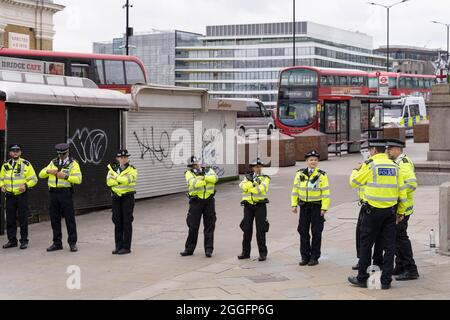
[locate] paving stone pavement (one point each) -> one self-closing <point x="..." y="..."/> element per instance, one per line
<point x="155" y="270"/>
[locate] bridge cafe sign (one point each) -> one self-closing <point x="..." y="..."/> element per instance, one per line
<point x="22" y="65"/>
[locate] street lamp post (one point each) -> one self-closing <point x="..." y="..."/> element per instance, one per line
<point x="128" y="32"/>
<point x="294" y="31"/>
<point x="388" y="9"/>
<point x="447" y="25"/>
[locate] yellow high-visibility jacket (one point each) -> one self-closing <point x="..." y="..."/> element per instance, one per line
<point x="314" y="188"/>
<point x="255" y="192"/>
<point x="21" y="174"/>
<point x="124" y="182"/>
<point x="407" y="167"/>
<point x="200" y="186"/>
<point x="383" y="183"/>
<point x="71" y="169"/>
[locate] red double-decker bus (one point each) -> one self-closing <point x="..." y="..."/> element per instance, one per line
<point x="107" y="71"/>
<point x="403" y="84"/>
<point x="318" y="98"/>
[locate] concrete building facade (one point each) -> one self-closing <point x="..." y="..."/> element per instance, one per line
<point x="413" y="60"/>
<point x="27" y="24"/>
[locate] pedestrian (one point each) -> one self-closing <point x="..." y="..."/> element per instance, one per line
<point x="63" y="173"/>
<point x="17" y="177"/>
<point x="311" y="192"/>
<point x="201" y="192"/>
<point x="122" y="178"/>
<point x="405" y="266"/>
<point x="385" y="195"/>
<point x="255" y="187"/>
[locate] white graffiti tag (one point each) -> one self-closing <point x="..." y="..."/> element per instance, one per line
<point x="90" y="145"/>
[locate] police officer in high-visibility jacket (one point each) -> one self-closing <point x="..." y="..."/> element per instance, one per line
<point x="311" y="192"/>
<point x="386" y="197"/>
<point x="122" y="178"/>
<point x="255" y="187"/>
<point x="405" y="266"/>
<point x="17" y="177"/>
<point x="201" y="191"/>
<point x="378" y="248"/>
<point x="63" y="173"/>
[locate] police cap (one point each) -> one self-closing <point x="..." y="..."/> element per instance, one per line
<point x="15" y="147"/>
<point x="62" y="148"/>
<point x="395" y="143"/>
<point x="256" y="162"/>
<point x="312" y="153"/>
<point x="193" y="161"/>
<point x="377" y="143"/>
<point x="123" y="153"/>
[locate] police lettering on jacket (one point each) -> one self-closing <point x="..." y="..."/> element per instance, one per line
<point x="12" y="178"/>
<point x="383" y="183"/>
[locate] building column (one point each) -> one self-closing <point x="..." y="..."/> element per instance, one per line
<point x="439" y="111"/>
<point x="2" y="34"/>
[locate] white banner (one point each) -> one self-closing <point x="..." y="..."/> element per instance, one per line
<point x="22" y="65"/>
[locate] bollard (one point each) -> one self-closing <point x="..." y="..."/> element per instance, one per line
<point x="444" y="219"/>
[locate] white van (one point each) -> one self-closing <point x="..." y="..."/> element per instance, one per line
<point x="406" y="112"/>
<point x="255" y="118"/>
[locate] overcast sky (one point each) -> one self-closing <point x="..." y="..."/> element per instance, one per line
<point x="86" y="21"/>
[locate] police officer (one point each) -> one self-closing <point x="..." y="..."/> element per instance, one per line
<point x="311" y="192"/>
<point x="255" y="187"/>
<point x="385" y="195"/>
<point x="62" y="174"/>
<point x="378" y="247"/>
<point x="201" y="191"/>
<point x="405" y="266"/>
<point x="121" y="178"/>
<point x="17" y="176"/>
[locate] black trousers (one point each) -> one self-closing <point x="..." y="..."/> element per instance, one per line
<point x="122" y="217"/>
<point x="61" y="205"/>
<point x="378" y="248"/>
<point x="17" y="206"/>
<point x="257" y="213"/>
<point x="199" y="208"/>
<point x="310" y="220"/>
<point x="404" y="253"/>
<point x="377" y="223"/>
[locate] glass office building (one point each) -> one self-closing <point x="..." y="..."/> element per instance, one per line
<point x="156" y="49"/>
<point x="244" y="61"/>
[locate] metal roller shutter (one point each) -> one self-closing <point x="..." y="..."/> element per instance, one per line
<point x="38" y="129"/>
<point x="149" y="133"/>
<point x="94" y="140"/>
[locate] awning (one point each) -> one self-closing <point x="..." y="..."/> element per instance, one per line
<point x="170" y="97"/>
<point x="26" y="93"/>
